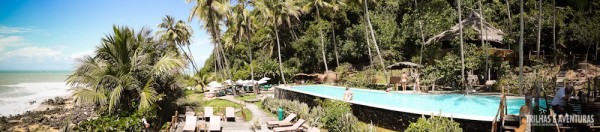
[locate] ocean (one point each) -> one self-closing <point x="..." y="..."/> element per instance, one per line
<point x="18" y="88"/>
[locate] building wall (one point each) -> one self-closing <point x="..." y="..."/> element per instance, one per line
<point x="389" y="119"/>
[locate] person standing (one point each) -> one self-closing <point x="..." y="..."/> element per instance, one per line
<point x="348" y="95"/>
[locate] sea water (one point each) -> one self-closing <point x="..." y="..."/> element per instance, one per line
<point x="19" y="88"/>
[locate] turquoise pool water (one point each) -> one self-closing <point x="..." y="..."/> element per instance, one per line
<point x="476" y="107"/>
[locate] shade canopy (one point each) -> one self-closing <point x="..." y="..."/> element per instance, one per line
<point x="214" y="84"/>
<point x="239" y="82"/>
<point x="401" y="65"/>
<point x="228" y="82"/>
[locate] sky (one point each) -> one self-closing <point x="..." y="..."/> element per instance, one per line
<point x="52" y="34"/>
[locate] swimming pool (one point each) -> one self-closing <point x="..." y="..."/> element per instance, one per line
<point x="474" y="107"/>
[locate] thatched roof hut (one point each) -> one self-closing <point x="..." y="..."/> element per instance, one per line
<point x="489" y="33"/>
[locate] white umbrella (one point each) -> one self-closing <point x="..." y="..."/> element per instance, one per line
<point x="215" y="84"/>
<point x="265" y="79"/>
<point x="261" y="82"/>
<point x="249" y="82"/>
<point x="239" y="82"/>
<point x="228" y="82"/>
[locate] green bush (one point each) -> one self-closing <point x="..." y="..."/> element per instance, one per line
<point x="339" y="117"/>
<point x="434" y="124"/>
<point x="115" y="123"/>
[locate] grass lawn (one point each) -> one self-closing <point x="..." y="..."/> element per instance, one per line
<point x="246" y="97"/>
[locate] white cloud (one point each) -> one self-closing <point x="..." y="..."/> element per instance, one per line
<point x="9" y="30"/>
<point x="33" y="52"/>
<point x="9" y="41"/>
<point x="82" y="54"/>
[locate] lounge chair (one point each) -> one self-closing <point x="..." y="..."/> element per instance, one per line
<point x="215" y="124"/>
<point x="285" y="122"/>
<point x="190" y="123"/>
<point x="208" y="112"/>
<point x="229" y="113"/>
<point x="313" y="129"/>
<point x="296" y="127"/>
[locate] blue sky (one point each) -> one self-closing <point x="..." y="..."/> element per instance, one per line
<point x="51" y="34"/>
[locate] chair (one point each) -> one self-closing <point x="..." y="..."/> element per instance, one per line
<point x="215" y="124"/>
<point x="284" y="122"/>
<point x="313" y="129"/>
<point x="208" y="112"/>
<point x="229" y="113"/>
<point x="190" y="123"/>
<point x="296" y="127"/>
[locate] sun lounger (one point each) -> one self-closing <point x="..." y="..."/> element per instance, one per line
<point x="229" y="113"/>
<point x="313" y="129"/>
<point x="296" y="127"/>
<point x="208" y="112"/>
<point x="215" y="124"/>
<point x="190" y="123"/>
<point x="285" y="122"/>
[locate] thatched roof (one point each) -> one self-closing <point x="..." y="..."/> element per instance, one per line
<point x="489" y="33"/>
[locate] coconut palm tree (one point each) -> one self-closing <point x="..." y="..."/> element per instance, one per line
<point x="462" y="51"/>
<point x="212" y="13"/>
<point x="130" y="64"/>
<point x="239" y="21"/>
<point x="277" y="14"/>
<point x="316" y="4"/>
<point x="177" y="34"/>
<point x="521" y="47"/>
<point x="365" y="4"/>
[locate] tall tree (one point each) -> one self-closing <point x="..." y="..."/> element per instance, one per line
<point x="129" y="72"/>
<point x="521" y="92"/>
<point x="365" y="5"/>
<point x="462" y="51"/>
<point x="241" y="21"/>
<point x="316" y="4"/>
<point x="212" y="13"/>
<point x="278" y="13"/>
<point x="177" y="34"/>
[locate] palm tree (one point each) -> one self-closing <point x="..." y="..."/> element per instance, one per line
<point x="177" y="34"/>
<point x="316" y="4"/>
<point x="462" y="51"/>
<point x="240" y="21"/>
<point x="368" y="20"/>
<point x="126" y="63"/>
<point x="211" y="13"/>
<point x="521" y="48"/>
<point x="278" y="13"/>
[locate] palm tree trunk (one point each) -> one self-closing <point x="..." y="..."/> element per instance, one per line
<point x="190" y="58"/>
<point x="337" y="58"/>
<point x="368" y="44"/>
<point x="522" y="91"/>
<point x="539" y="32"/>
<point x="462" y="52"/>
<point x="509" y="22"/>
<point x="554" y="31"/>
<point x="483" y="33"/>
<point x="279" y="53"/>
<point x="374" y="40"/>
<point x="322" y="43"/>
<point x="250" y="52"/>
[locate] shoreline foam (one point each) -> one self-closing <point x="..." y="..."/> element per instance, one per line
<point x="37" y="92"/>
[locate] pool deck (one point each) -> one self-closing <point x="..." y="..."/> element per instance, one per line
<point x="460" y="116"/>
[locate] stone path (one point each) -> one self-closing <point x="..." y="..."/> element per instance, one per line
<point x="258" y="114"/>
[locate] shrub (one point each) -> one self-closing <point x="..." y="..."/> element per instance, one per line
<point x="339" y="116"/>
<point x="434" y="124"/>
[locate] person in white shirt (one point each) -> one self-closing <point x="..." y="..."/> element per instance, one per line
<point x="561" y="100"/>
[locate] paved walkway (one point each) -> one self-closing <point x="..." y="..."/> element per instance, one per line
<point x="258" y="114"/>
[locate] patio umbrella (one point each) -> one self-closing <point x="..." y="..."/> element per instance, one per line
<point x="239" y="82"/>
<point x="228" y="82"/>
<point x="261" y="82"/>
<point x="265" y="79"/>
<point x="405" y="64"/>
<point x="215" y="84"/>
